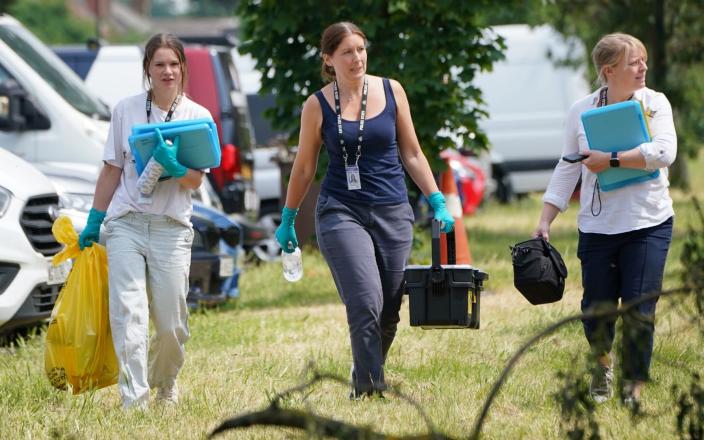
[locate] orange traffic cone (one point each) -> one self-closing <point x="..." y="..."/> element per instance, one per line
<point x="448" y="187"/>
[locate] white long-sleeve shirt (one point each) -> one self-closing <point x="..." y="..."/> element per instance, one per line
<point x="631" y="207"/>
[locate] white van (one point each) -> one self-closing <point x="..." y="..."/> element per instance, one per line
<point x="527" y="96"/>
<point x="50" y="115"/>
<point x="110" y="72"/>
<point x="269" y="142"/>
<point x="29" y="284"/>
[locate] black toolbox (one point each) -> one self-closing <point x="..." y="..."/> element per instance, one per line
<point x="444" y="296"/>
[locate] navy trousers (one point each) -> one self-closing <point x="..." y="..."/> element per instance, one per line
<point x="367" y="249"/>
<point x="624" y="266"/>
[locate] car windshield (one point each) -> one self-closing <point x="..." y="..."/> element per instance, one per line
<point x="53" y="70"/>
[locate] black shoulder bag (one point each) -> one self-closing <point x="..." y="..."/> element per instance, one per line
<point x="539" y="272"/>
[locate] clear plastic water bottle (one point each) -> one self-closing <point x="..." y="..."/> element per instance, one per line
<point x="150" y="176"/>
<point x="293" y="265"/>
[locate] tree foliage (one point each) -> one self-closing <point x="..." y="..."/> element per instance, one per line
<point x="673" y="33"/>
<point x="51" y="21"/>
<point x="433" y="48"/>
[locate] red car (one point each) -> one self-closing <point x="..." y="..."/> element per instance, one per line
<point x="470" y="178"/>
<point x="213" y="83"/>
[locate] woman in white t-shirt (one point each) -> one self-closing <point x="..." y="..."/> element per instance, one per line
<point x="148" y="236"/>
<point x="624" y="233"/>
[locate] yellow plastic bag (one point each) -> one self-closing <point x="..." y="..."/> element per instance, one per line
<point x="79" y="351"/>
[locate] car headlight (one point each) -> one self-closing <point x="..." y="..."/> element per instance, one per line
<point x="5" y="197"/>
<point x="79" y="202"/>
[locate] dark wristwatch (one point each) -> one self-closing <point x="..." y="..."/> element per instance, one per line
<point x="614" y="162"/>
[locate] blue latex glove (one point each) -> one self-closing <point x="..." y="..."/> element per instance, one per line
<point x="286" y="233"/>
<point x="165" y="154"/>
<point x="437" y="202"/>
<point x="91" y="233"/>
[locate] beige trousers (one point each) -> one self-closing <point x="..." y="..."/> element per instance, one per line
<point x="148" y="262"/>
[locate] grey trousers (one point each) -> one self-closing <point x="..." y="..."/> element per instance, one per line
<point x="367" y="249"/>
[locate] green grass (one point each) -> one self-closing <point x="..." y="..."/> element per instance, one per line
<point x="240" y="355"/>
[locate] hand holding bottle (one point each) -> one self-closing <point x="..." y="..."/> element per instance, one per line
<point x="165" y="155"/>
<point x="286" y="233"/>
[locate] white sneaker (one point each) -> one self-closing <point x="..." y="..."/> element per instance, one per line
<point x="601" y="387"/>
<point x="168" y="394"/>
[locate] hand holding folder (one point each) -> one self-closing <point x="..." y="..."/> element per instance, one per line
<point x="618" y="127"/>
<point x="199" y="147"/>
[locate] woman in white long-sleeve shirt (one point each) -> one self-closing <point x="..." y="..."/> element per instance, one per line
<point x="624" y="234"/>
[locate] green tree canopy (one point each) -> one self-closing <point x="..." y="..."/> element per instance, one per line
<point x="433" y="48"/>
<point x="51" y="21"/>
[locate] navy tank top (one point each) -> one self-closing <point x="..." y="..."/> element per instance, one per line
<point x="380" y="168"/>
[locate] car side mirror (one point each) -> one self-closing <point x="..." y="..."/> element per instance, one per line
<point x="18" y="111"/>
<point x="10" y="95"/>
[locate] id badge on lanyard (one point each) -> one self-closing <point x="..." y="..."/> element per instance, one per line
<point x="353" y="181"/>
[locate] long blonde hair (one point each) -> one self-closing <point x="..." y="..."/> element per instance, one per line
<point x="611" y="49"/>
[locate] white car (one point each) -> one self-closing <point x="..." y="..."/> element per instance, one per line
<point x="29" y="283"/>
<point x="75" y="185"/>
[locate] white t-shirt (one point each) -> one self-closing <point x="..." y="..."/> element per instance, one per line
<point x="169" y="197"/>
<point x="631" y="207"/>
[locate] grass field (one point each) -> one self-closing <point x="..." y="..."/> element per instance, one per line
<point x="242" y="354"/>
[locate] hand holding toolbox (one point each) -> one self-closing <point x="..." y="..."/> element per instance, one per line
<point x="447" y="295"/>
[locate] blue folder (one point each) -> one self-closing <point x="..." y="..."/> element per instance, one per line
<point x="146" y="128"/>
<point x="618" y="127"/>
<point x="199" y="146"/>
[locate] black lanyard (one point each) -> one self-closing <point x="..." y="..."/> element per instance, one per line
<point x="362" y="114"/>
<point x="174" y="104"/>
<point x="602" y="97"/>
<point x="596" y="191"/>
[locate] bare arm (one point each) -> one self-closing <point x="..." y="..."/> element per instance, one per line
<point x="411" y="154"/>
<point x="192" y="179"/>
<point x="547" y="216"/>
<point x="108" y="179"/>
<point x="306" y="161"/>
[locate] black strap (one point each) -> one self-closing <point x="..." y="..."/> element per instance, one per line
<point x="602" y="97"/>
<point x="362" y="115"/>
<point x="172" y="109"/>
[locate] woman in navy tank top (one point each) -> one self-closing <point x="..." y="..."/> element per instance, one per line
<point x="364" y="223"/>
